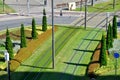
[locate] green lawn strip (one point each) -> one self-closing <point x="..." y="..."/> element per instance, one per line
<point x="64" y="55"/>
<point x="59" y="68"/>
<point x="66" y="50"/>
<point x="7" y="9"/>
<point x="103" y="7"/>
<point x="65" y="43"/>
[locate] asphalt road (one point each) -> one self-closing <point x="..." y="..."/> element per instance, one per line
<point x="64" y="20"/>
<point x="92" y="20"/>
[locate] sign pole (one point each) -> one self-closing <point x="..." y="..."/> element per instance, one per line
<point x="116" y="56"/>
<point x="8" y="63"/>
<point x="8" y="70"/>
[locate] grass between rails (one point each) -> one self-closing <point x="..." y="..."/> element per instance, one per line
<point x="103" y="7"/>
<point x="66" y="45"/>
<point x="7" y="9"/>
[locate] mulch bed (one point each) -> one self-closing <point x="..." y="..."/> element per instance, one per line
<point x="94" y="64"/>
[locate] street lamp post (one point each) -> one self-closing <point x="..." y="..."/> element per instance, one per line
<point x="107" y="17"/>
<point x="53" y="42"/>
<point x="28" y="7"/>
<point x="6" y="54"/>
<point x="3" y="5"/>
<point x="81" y="2"/>
<point x="85" y="13"/>
<point x="17" y="5"/>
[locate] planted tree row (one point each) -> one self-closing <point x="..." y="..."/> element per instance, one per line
<point x="9" y="44"/>
<point x="107" y="42"/>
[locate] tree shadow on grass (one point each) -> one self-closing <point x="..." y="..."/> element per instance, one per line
<point x="84" y="50"/>
<point x="35" y="66"/>
<point x="70" y="63"/>
<point x="92" y="39"/>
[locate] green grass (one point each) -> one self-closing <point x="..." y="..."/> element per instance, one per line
<point x="103" y="7"/>
<point x="7" y="9"/>
<point x="67" y="44"/>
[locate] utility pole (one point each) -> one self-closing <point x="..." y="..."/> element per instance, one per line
<point x="85" y="13"/>
<point x="53" y="42"/>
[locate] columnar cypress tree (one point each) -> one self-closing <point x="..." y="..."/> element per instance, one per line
<point x="111" y="36"/>
<point x="108" y="39"/>
<point x="23" y="37"/>
<point x="103" y="55"/>
<point x="9" y="45"/>
<point x="34" y="33"/>
<point x="44" y="21"/>
<point x="114" y="27"/>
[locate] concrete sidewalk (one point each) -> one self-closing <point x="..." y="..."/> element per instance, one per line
<point x="4" y="17"/>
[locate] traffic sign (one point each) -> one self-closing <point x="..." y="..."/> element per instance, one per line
<point x="116" y="55"/>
